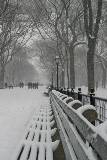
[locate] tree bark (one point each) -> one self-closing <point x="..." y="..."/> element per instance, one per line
<point x="90" y="64"/>
<point x="72" y="68"/>
<point x="67" y="68"/>
<point x="103" y="77"/>
<point x="63" y="79"/>
<point x="2" y="71"/>
<point x="90" y="70"/>
<point x="92" y="35"/>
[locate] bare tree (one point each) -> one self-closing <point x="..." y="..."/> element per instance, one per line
<point x="13" y="32"/>
<point x="91" y="24"/>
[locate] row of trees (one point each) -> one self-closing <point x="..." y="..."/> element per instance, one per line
<point x="16" y="28"/>
<point x="68" y="25"/>
<point x="62" y="27"/>
<point x="19" y="69"/>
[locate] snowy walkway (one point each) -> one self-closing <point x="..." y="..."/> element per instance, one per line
<point x="16" y="110"/>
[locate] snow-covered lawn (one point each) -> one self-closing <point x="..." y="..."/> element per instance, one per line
<point x="16" y="110"/>
<point x="100" y="92"/>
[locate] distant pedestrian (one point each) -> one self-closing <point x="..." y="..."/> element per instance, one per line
<point x="6" y="85"/>
<point x="37" y="85"/>
<point x="20" y="84"/>
<point x="28" y="85"/>
<point x="33" y="85"/>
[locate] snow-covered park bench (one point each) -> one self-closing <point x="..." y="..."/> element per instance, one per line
<point x="37" y="142"/>
<point x="80" y="138"/>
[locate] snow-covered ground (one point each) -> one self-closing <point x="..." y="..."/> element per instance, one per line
<point x="16" y="109"/>
<point x="100" y="92"/>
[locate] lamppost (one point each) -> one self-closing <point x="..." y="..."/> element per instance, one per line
<point x="57" y="65"/>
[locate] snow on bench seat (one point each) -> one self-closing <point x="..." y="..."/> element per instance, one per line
<point x="37" y="142"/>
<point x="78" y="134"/>
<point x="68" y="100"/>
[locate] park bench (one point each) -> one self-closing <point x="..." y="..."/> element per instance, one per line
<point x="81" y="139"/>
<point x="37" y="141"/>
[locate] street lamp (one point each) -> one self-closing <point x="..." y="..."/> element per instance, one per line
<point x="57" y="64"/>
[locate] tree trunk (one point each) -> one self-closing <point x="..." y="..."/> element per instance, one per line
<point x="67" y="67"/>
<point x="72" y="68"/>
<point x="104" y="78"/>
<point x="67" y="74"/>
<point x="91" y="29"/>
<point x="63" y="79"/>
<point x="2" y="71"/>
<point x="90" y="64"/>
